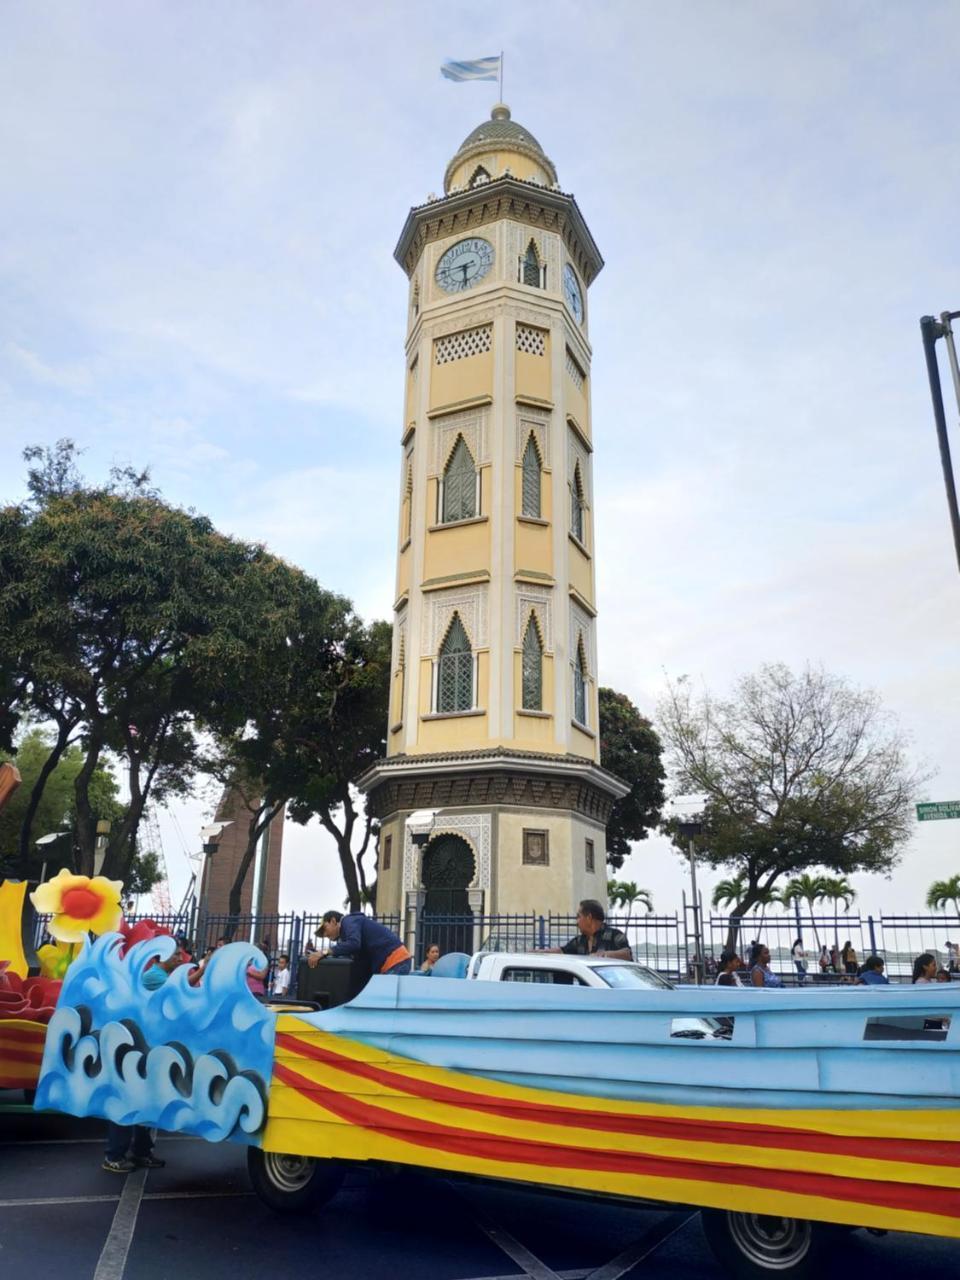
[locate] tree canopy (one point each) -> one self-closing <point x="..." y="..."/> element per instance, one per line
<point x="797" y="771"/>
<point x="630" y="748"/>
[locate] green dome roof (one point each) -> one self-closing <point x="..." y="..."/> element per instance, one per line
<point x="501" y="131"/>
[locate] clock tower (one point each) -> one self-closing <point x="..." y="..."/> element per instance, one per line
<point x="493" y="707"/>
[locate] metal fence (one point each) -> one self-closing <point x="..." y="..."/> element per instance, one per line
<point x="663" y="942"/>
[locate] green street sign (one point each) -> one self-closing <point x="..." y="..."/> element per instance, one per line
<point x="942" y="809"/>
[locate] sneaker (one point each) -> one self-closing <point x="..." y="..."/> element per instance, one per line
<point x="118" y="1166"/>
<point x="149" y="1162"/>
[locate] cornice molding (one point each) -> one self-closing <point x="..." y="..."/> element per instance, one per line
<point x="507" y="197"/>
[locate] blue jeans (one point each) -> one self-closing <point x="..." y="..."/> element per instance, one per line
<point x="120" y="1138"/>
<point x="405" y="966"/>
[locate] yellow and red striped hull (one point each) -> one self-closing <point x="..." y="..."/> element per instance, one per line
<point x="21" y="1052"/>
<point x="333" y="1096"/>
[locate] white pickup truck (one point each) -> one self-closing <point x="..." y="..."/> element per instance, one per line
<point x="577" y="971"/>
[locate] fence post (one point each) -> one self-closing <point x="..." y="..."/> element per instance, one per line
<point x="541" y="933"/>
<point x="873" y="937"/>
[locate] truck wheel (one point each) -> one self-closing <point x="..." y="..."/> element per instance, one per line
<point x="293" y="1184"/>
<point x="752" y="1246"/>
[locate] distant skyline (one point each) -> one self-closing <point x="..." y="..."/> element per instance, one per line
<point x="200" y="205"/>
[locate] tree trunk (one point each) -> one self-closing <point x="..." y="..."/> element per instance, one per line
<point x="36" y="795"/>
<point x="86" y="819"/>
<point x="258" y="823"/>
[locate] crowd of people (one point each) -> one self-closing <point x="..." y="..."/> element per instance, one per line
<point x="732" y="971"/>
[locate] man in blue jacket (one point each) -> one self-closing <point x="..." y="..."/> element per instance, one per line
<point x="361" y="937"/>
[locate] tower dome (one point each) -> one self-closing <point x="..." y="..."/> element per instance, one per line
<point x="495" y="148"/>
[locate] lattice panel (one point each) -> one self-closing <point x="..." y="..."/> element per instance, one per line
<point x="581" y="626"/>
<point x="577" y="453"/>
<point x="528" y="421"/>
<point x="577" y="376"/>
<point x="462" y="345"/>
<point x="471" y="605"/>
<point x="532" y="341"/>
<point x="444" y="431"/>
<point x="475" y="828"/>
<point x="540" y="601"/>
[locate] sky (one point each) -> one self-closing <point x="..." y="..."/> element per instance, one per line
<point x="198" y="208"/>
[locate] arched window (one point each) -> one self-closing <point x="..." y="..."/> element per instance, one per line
<point x="532" y="664"/>
<point x="531" y="480"/>
<point x="580" y="685"/>
<point x="576" y="504"/>
<point x="455" y="675"/>
<point x="479" y="177"/>
<point x="531" y="267"/>
<point x="459" y="485"/>
<point x="415" y="301"/>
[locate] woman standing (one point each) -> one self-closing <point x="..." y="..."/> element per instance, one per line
<point x="848" y="957"/>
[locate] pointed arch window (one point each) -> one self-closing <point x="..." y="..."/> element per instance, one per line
<point x="580" y="685"/>
<point x="459" y="498"/>
<point x="415" y="301"/>
<point x="532" y="668"/>
<point x="402" y="673"/>
<point x="577" y="505"/>
<point x="455" y="670"/>
<point x="531" y="480"/>
<point x="532" y="271"/>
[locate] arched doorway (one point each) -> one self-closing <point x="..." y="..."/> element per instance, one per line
<point x="447" y="872"/>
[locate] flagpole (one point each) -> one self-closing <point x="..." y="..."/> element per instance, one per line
<point x="501" y="75"/>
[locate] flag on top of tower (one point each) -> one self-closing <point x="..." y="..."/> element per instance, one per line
<point x="479" y="69"/>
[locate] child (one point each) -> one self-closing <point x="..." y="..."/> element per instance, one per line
<point x="280" y="983"/>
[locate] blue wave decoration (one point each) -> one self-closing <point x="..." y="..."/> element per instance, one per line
<point x="192" y="1059"/>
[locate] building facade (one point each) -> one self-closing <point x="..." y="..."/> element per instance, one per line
<point x="493" y="710"/>
<point x="261" y="887"/>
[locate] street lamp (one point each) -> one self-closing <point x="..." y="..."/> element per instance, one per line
<point x="932" y="331"/>
<point x="210" y="843"/>
<point x="689" y="813"/>
<point x="42" y="843"/>
<point x="100" y="848"/>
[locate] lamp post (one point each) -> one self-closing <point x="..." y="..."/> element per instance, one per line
<point x="689" y="810"/>
<point x="932" y="330"/>
<point x="42" y="843"/>
<point x="100" y="848"/>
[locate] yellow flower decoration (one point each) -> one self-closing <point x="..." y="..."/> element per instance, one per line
<point x="79" y="905"/>
<point x="55" y="959"/>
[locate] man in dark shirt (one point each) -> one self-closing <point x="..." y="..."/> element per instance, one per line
<point x="596" y="937"/>
<point x="364" y="938"/>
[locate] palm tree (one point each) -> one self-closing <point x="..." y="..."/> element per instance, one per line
<point x="624" y="893"/>
<point x="730" y="893"/>
<point x="809" y="889"/>
<point x="942" y="892"/>
<point x="839" y="890"/>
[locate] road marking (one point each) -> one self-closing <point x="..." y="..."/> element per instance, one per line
<point x="27" y="1204"/>
<point x="515" y="1251"/>
<point x="113" y="1259"/>
<point x="648" y="1243"/>
<point x="150" y="1195"/>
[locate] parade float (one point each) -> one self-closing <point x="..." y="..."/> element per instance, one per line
<point x="790" y="1115"/>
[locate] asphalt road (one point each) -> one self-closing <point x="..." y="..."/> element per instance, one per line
<point x="62" y="1216"/>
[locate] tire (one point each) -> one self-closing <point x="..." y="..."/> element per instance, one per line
<point x="752" y="1246"/>
<point x="293" y="1184"/>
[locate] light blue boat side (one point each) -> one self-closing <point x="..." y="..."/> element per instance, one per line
<point x="788" y="1050"/>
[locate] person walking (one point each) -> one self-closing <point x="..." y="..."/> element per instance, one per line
<point x="800" y="960"/>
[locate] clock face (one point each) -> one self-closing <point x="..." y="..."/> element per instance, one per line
<point x="464" y="265"/>
<point x="571" y="291"/>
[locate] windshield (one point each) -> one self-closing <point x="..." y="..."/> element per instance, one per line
<point x="631" y="975"/>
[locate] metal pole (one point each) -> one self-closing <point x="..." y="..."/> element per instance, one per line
<point x="697" y="946"/>
<point x="945" y="319"/>
<point x="930" y="330"/>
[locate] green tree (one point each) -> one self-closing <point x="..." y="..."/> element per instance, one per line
<point x="630" y="748"/>
<point x="625" y="893"/>
<point x="134" y="624"/>
<point x="943" y="893"/>
<point x="810" y="889"/>
<point x="798" y="771"/>
<point x="837" y="890"/>
<point x="324" y="726"/>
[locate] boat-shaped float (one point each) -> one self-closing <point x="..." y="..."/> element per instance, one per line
<point x="832" y="1106"/>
